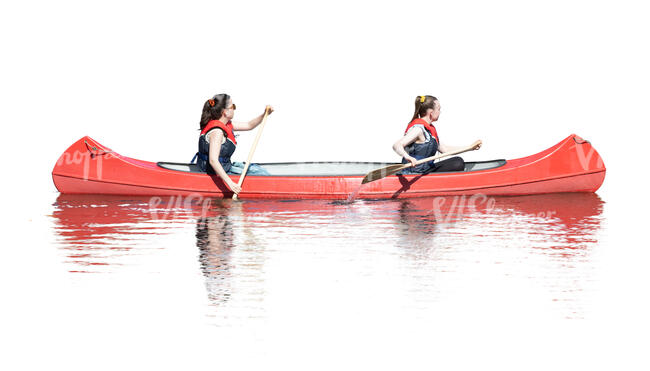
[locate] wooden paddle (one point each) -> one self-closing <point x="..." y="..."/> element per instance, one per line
<point x="250" y="154"/>
<point x="392" y="169"/>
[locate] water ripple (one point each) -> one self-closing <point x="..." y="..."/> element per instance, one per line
<point x="420" y="251"/>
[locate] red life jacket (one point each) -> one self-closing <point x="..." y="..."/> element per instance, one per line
<point x="430" y="128"/>
<point x="227" y="128"/>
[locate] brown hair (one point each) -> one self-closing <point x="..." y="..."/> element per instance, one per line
<point x="213" y="108"/>
<point x="422" y="104"/>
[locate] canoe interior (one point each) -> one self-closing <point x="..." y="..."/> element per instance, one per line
<point x="303" y="169"/>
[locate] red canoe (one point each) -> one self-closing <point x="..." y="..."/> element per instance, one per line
<point x="572" y="165"/>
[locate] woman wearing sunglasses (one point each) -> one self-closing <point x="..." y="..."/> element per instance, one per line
<point x="217" y="146"/>
<point x="421" y="140"/>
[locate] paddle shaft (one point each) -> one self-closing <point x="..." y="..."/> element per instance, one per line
<point x="392" y="169"/>
<point x="250" y="154"/>
<point x="433" y="158"/>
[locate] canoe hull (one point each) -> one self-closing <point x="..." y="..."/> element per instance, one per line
<point x="572" y="165"/>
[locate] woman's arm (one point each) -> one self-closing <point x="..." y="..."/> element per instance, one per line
<point x="216" y="137"/>
<point x="252" y="124"/>
<point x="411" y="136"/>
<point x="446" y="148"/>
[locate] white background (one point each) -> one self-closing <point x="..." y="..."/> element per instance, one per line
<point x="342" y="77"/>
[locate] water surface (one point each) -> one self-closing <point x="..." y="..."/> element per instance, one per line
<point x="261" y="261"/>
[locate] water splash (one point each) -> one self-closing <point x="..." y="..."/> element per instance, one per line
<point x="354" y="194"/>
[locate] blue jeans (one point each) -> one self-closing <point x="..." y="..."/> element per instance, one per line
<point x="254" y="169"/>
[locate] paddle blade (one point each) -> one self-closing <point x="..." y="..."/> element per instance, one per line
<point x="382" y="173"/>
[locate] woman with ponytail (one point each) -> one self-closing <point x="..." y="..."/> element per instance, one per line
<point x="217" y="146"/>
<point x="421" y="140"/>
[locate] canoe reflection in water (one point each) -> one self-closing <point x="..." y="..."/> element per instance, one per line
<point x="543" y="239"/>
<point x="563" y="212"/>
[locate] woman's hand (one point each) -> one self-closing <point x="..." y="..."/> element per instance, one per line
<point x="234" y="187"/>
<point x="477" y="145"/>
<point x="411" y="159"/>
<point x="269" y="109"/>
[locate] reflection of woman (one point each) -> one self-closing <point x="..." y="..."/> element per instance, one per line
<point x="415" y="218"/>
<point x="217" y="146"/>
<point x="214" y="238"/>
<point x="421" y="140"/>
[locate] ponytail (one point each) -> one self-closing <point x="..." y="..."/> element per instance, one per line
<point x="213" y="108"/>
<point x="422" y="104"/>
